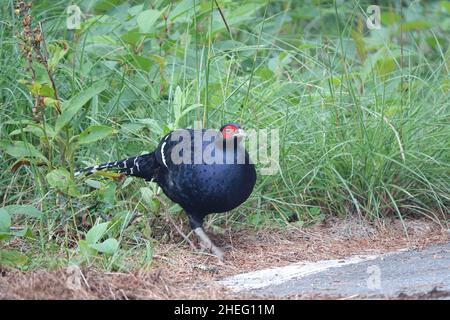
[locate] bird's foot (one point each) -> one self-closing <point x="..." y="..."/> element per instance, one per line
<point x="206" y="242"/>
<point x="218" y="253"/>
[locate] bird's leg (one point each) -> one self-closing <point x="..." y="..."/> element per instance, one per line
<point x="206" y="241"/>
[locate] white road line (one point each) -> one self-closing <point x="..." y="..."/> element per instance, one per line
<point x="274" y="276"/>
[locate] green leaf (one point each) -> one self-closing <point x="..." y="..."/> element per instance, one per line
<point x="57" y="52"/>
<point x="175" y="208"/>
<point x="107" y="195"/>
<point x="13" y="258"/>
<point x="109" y="246"/>
<point x="46" y="91"/>
<point x="71" y="107"/>
<point x="26" y="210"/>
<point x="146" y="19"/>
<point x="5" y="220"/>
<point x="61" y="180"/>
<point x="85" y="250"/>
<point x="96" y="233"/>
<point x="132" y="37"/>
<point x="27" y="233"/>
<point x="35" y="129"/>
<point x="445" y="5"/>
<point x="146" y="194"/>
<point x="181" y="8"/>
<point x="95" y="133"/>
<point x="94" y="183"/>
<point x="22" y="149"/>
<point x="50" y="102"/>
<point x="137" y="61"/>
<point x="135" y="9"/>
<point x="43" y="90"/>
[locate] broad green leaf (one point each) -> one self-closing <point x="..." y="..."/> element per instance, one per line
<point x="94" y="183"/>
<point x="445" y="4"/>
<point x="181" y="8"/>
<point x="95" y="133"/>
<point x="137" y="61"/>
<point x="132" y="37"/>
<point x="19" y="122"/>
<point x="175" y="208"/>
<point x="134" y="10"/>
<point x="5" y="220"/>
<point x="46" y="91"/>
<point x="35" y="129"/>
<point x="58" y="178"/>
<point x="43" y="90"/>
<point x="13" y="258"/>
<point x="26" y="210"/>
<point x="61" y="180"/>
<point x="146" y="19"/>
<point x="57" y="52"/>
<point x="147" y="194"/>
<point x="71" y="107"/>
<point x="107" y="194"/>
<point x="50" y="102"/>
<point x="27" y="232"/>
<point x="96" y="233"/>
<point x="109" y="246"/>
<point x="22" y="149"/>
<point x="102" y="6"/>
<point x="132" y="127"/>
<point x="85" y="250"/>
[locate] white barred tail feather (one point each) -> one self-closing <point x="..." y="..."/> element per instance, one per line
<point x="130" y="166"/>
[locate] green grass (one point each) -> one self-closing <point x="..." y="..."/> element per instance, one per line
<point x="363" y="114"/>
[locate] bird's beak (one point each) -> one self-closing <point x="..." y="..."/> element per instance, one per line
<point x="240" y="133"/>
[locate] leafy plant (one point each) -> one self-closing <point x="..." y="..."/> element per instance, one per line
<point x="11" y="257"/>
<point x="92" y="245"/>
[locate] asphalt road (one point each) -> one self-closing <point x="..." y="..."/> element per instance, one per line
<point x="409" y="274"/>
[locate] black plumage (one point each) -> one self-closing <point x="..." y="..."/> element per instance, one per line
<point x="215" y="174"/>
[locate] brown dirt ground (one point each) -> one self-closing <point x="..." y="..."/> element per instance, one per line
<point x="180" y="273"/>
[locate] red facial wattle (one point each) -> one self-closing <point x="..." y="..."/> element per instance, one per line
<point x="229" y="131"/>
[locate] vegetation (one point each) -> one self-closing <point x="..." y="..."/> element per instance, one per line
<point x="363" y="114"/>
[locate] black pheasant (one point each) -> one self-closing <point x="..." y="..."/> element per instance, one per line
<point x="204" y="171"/>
